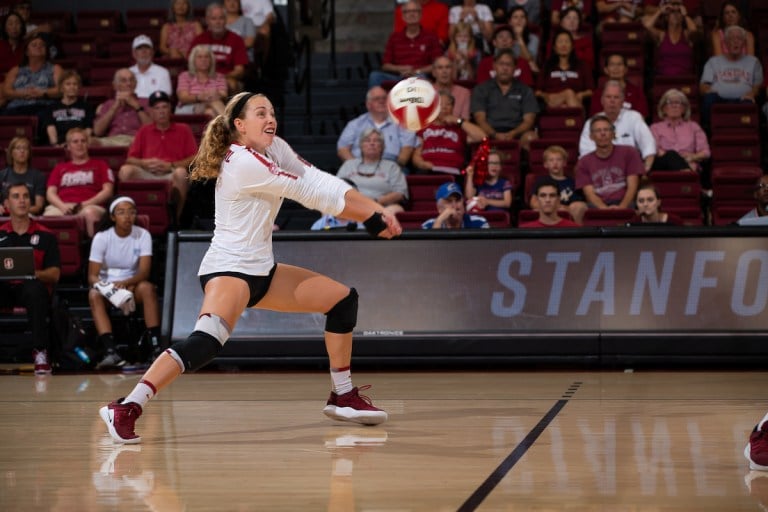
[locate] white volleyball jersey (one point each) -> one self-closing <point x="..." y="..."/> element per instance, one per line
<point x="249" y="191"/>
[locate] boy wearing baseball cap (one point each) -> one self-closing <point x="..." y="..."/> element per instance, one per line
<point x="451" y="212"/>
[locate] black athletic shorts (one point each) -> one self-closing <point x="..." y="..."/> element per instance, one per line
<point x="258" y="285"/>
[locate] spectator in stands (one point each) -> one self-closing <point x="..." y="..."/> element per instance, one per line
<point x="121" y="255"/>
<point x="503" y="107"/>
<point x="674" y="38"/>
<point x="565" y="81"/>
<point x="570" y="199"/>
<point x="495" y="193"/>
<point x="526" y="44"/>
<point x="583" y="43"/>
<point x="545" y="190"/>
<point x="119" y="118"/>
<point x="24" y="9"/>
<point x="381" y="180"/>
<point x="410" y="51"/>
<point x="680" y="142"/>
<point x="161" y="150"/>
<point x="69" y="112"/>
<point x="730" y="16"/>
<point x="442" y="146"/>
<point x="262" y="13"/>
<point x="502" y="8"/>
<point x="759" y="214"/>
<point x="31" y="86"/>
<point x="177" y="34"/>
<point x="609" y="175"/>
<point x="434" y="18"/>
<point x="80" y="186"/>
<point x="732" y="77"/>
<point x="478" y="16"/>
<point x="12" y="42"/>
<point x="443" y="73"/>
<point x="201" y="89"/>
<point x="451" y="213"/>
<point x="398" y="142"/>
<point x="463" y="52"/>
<point x="150" y="77"/>
<point x="616" y="69"/>
<point x="19" y="170"/>
<point x="621" y="11"/>
<point x="559" y="8"/>
<point x="648" y="204"/>
<point x="630" y="128"/>
<point x="228" y="47"/>
<point x="240" y="25"/>
<point x="34" y="295"/>
<point x="503" y="38"/>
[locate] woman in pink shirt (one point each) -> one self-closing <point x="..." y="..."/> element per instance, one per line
<point x="680" y="143"/>
<point x="201" y="89"/>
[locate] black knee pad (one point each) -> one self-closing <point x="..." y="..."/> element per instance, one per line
<point x="342" y="317"/>
<point x="197" y="350"/>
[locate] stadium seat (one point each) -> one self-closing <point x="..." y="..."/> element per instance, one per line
<point x="562" y="123"/>
<point x="107" y="20"/>
<point x="677" y="188"/>
<point x="153" y="198"/>
<point x="527" y="215"/>
<point x="608" y="217"/>
<point x="735" y="150"/>
<point x="84" y="46"/>
<point x="17" y="126"/>
<point x="196" y="122"/>
<point x="421" y="191"/>
<point x="734" y="185"/>
<point x="726" y="215"/>
<point x="70" y="233"/>
<point x="414" y="219"/>
<point x="115" y="156"/>
<point x="45" y="158"/>
<point x="137" y="20"/>
<point x="496" y="218"/>
<point x="692" y="216"/>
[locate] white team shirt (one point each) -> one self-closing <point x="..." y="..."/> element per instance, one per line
<point x="257" y="10"/>
<point x="119" y="256"/>
<point x="155" y="78"/>
<point x="249" y="191"/>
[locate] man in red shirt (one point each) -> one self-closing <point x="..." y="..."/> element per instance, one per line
<point x="161" y="150"/>
<point x="81" y="186"/>
<point x="434" y="17"/>
<point x="548" y="196"/>
<point x="228" y="47"/>
<point x="410" y="51"/>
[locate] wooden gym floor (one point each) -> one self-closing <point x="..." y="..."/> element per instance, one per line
<point x="495" y="441"/>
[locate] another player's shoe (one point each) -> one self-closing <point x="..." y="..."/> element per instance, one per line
<point x="354" y="407"/>
<point x="756" y="450"/>
<point x="120" y="418"/>
<point x="111" y="360"/>
<point x="42" y="365"/>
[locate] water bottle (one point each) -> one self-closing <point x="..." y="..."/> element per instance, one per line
<point x="83" y="355"/>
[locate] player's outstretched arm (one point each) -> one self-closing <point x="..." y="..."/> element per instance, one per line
<point x="377" y="221"/>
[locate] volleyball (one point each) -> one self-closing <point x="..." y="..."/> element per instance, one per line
<point x="413" y="103"/>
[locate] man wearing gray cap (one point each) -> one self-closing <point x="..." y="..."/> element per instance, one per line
<point x="150" y="77"/>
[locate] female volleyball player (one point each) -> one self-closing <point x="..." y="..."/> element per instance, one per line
<point x="254" y="171"/>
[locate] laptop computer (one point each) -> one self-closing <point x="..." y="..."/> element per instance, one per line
<point x="17" y="263"/>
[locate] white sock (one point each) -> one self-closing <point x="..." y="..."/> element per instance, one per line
<point x="142" y="393"/>
<point x="760" y="425"/>
<point x="342" y="380"/>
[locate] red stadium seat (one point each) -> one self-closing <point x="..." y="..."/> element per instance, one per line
<point x="115" y="156"/>
<point x="608" y="217"/>
<point x="677" y="188"/>
<point x="17" y="126"/>
<point x="734" y="185"/>
<point x="196" y="122"/>
<point x="414" y="219"/>
<point x="106" y="20"/>
<point x="70" y="233"/>
<point x="421" y="191"/>
<point x="45" y="158"/>
<point x="562" y="123"/>
<point x="153" y="198"/>
<point x="527" y="215"/>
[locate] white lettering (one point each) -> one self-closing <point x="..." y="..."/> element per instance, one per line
<point x="561" y="261"/>
<point x="604" y="270"/>
<point x="698" y="281"/>
<point x="658" y="288"/>
<point x="516" y="287"/>
<point x="742" y="279"/>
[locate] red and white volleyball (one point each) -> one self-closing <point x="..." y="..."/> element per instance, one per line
<point x="413" y="103"/>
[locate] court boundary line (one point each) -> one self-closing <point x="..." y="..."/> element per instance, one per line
<point x="490" y="483"/>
